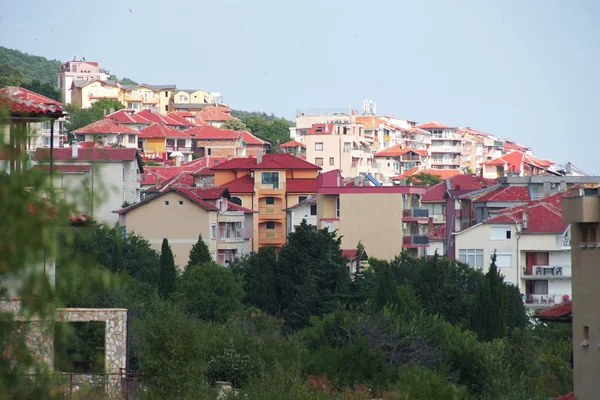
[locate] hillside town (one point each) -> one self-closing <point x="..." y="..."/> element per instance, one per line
<point x="170" y="165"/>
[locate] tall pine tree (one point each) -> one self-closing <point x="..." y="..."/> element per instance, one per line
<point x="488" y="310"/>
<point x="167" y="273"/>
<point x="199" y="253"/>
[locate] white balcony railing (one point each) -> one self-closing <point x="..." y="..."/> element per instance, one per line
<point x="547" y="272"/>
<point x="271" y="186"/>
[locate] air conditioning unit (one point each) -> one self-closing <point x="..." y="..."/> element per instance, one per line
<point x="437" y="219"/>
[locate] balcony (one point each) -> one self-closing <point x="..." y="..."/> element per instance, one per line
<point x="271" y="237"/>
<point x="543" y="300"/>
<point x="415" y="241"/>
<point x="270" y="212"/>
<point x="545" y="272"/>
<point x="445" y="149"/>
<point x="184" y="149"/>
<point x="415" y="214"/>
<point x="274" y="187"/>
<point x="445" y="161"/>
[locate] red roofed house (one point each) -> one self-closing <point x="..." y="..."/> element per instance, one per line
<point x="183" y="213"/>
<point x="269" y="185"/>
<point x="382" y="218"/>
<point x="215" y="116"/>
<point x="517" y="163"/>
<point x="293" y="147"/>
<point x="253" y="145"/>
<point x="532" y="247"/>
<point x="446" y="145"/>
<point x="80" y="70"/>
<point x="398" y="159"/>
<point x="409" y="175"/>
<point x="162" y="140"/>
<point x="130" y="119"/>
<point x="211" y="141"/>
<point x="96" y="180"/>
<point x="107" y="132"/>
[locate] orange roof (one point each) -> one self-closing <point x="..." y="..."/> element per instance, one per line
<point x="369" y="121"/>
<point x="159" y="130"/>
<point x="512" y="160"/>
<point x="434" y="125"/>
<point x="105" y="126"/>
<point x="250" y="139"/>
<point x="215" y="114"/>
<point x="292" y="143"/>
<point x="398" y="150"/>
<point x="320" y="129"/>
<point x="442" y="173"/>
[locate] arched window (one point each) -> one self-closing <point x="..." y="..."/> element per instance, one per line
<point x="236" y="200"/>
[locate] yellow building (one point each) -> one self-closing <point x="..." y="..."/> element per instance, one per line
<point x="190" y="100"/>
<point x="268" y="185"/>
<point x="160" y="139"/>
<point x="86" y="93"/>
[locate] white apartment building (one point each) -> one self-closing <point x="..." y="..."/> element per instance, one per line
<point x="446" y="145"/>
<point x="77" y="70"/>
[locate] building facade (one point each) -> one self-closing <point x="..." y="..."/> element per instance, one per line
<point x="77" y="70"/>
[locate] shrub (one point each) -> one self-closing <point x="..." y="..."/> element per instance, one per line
<point x="233" y="367"/>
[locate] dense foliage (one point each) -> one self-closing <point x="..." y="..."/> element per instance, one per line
<point x="267" y="127"/>
<point x="31" y="67"/>
<point x="423" y="179"/>
<point x="79" y="117"/>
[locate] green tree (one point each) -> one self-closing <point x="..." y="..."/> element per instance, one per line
<point x="234" y="124"/>
<point x="118" y="261"/>
<point x="168" y="271"/>
<point x="32" y="67"/>
<point x="260" y="282"/>
<point x="209" y="292"/>
<point x="488" y="310"/>
<point x="199" y="253"/>
<point x="80" y="117"/>
<point x="423" y="179"/>
<point x="10" y="76"/>
<point x="43" y="88"/>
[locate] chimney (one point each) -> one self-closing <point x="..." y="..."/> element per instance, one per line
<point x="74" y="150"/>
<point x="339" y="179"/>
<point x="177" y="161"/>
<point x="259" y="156"/>
<point x="456" y="187"/>
<point x="525" y="220"/>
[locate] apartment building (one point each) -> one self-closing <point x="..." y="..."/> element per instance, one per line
<point x="96" y="180"/>
<point x="398" y="159"/>
<point x="183" y="213"/>
<point x="385" y="219"/>
<point x="191" y="100"/>
<point x="166" y="142"/>
<point x="147" y="97"/>
<point x="484" y="147"/>
<point x="581" y="209"/>
<point x="106" y="132"/>
<point x="517" y="163"/>
<point x="446" y="145"/>
<point x="84" y="93"/>
<point x="532" y="247"/>
<point x="78" y="70"/>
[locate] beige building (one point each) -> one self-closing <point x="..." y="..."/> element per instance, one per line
<point x="78" y="70"/>
<point x="380" y="217"/>
<point x="85" y="93"/>
<point x="181" y="214"/>
<point x="446" y="145"/>
<point x="147" y="97"/>
<point x="581" y="208"/>
<point x="190" y="100"/>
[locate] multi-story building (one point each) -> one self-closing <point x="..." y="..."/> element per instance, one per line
<point x="446" y="145"/>
<point x="106" y="132"/>
<point x="532" y="247"/>
<point x="85" y="93"/>
<point x="305" y="210"/>
<point x="147" y="97"/>
<point x="78" y="70"/>
<point x="215" y="115"/>
<point x="162" y="140"/>
<point x="96" y="180"/>
<point x="581" y="209"/>
<point x="517" y="163"/>
<point x="211" y="141"/>
<point x="192" y="100"/>
<point x="268" y="184"/>
<point x="398" y="159"/>
<point x="184" y="213"/>
<point x="385" y="219"/>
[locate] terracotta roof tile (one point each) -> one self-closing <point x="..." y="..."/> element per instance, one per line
<point x="105" y="126"/>
<point x="156" y="117"/>
<point x="292" y="144"/>
<point x="301" y="186"/>
<point x="434" y="125"/>
<point x="215" y="114"/>
<point x="128" y="117"/>
<point x="19" y="100"/>
<point x="399" y="150"/>
<point x="159" y="130"/>
<point x="209" y="132"/>
<point x="513" y="161"/>
<point x="98" y="154"/>
<point x="250" y="139"/>
<point x="244" y="184"/>
<point x="321" y="129"/>
<point x="465" y="182"/>
<point x="270" y="161"/>
<point x="505" y="194"/>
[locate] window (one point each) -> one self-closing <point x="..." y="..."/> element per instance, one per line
<point x="181" y="98"/>
<point x="331" y="161"/>
<point x="180" y="202"/>
<point x="131" y="139"/>
<point x="503" y="260"/>
<point x="347" y="147"/>
<point x="166" y="107"/>
<point x="313" y="209"/>
<point x="329" y="226"/>
<point x="166" y="95"/>
<point x="301" y="199"/>
<point x="319" y="146"/>
<point x="236" y="200"/>
<point x="472" y="257"/>
<point x="588" y="235"/>
<point x="270" y="179"/>
<point x="319" y="161"/>
<point x="500" y="233"/>
<point x="337" y="207"/>
<point x="586" y="333"/>
<point x="209" y="150"/>
<point x="270" y="225"/>
<point x="213" y="231"/>
<point x="269" y="200"/>
<point x="540" y="287"/>
<point x="166" y="202"/>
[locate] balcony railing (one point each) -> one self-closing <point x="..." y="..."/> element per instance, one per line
<point x="547" y="272"/>
<point x="410" y="158"/>
<point x="270" y="210"/>
<point x="178" y="148"/>
<point x="270" y="235"/>
<point x="445" y="161"/>
<point x="445" y="149"/>
<point x="415" y="213"/>
<point x="543" y="300"/>
<point x="411" y="241"/>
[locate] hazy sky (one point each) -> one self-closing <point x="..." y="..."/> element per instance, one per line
<point x="524" y="69"/>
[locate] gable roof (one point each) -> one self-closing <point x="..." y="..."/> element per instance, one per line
<point x="543" y="215"/>
<point x="106" y="154"/>
<point x="399" y="150"/>
<point x="182" y="121"/>
<point x="104" y="126"/>
<point x="128" y="117"/>
<point x="189" y="193"/>
<point x="19" y="100"/>
<point x="434" y="125"/>
<point x="292" y="143"/>
<point x="461" y="182"/>
<point x="250" y="139"/>
<point x="512" y="160"/>
<point x="269" y="161"/>
<point x="320" y="129"/>
<point x="159" y="130"/>
<point x="216" y="114"/>
<point x="209" y="132"/>
<point x="244" y="184"/>
<point x="505" y="194"/>
<point x="156" y="117"/>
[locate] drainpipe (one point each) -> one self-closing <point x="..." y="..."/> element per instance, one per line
<point x="519" y="232"/>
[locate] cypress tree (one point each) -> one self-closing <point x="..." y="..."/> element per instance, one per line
<point x="167" y="273"/>
<point x="199" y="253"/>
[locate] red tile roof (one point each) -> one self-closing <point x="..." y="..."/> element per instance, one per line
<point x="505" y="194"/>
<point x="209" y="132"/>
<point x="434" y="125"/>
<point x="156" y="117"/>
<point x="202" y="162"/>
<point x="183" y="114"/>
<point x="442" y="173"/>
<point x="250" y="139"/>
<point x="369" y="121"/>
<point x="128" y="117"/>
<point x="350" y="254"/>
<point x="64" y="168"/>
<point x="105" y="126"/>
<point x="464" y="181"/>
<point x="270" y="161"/>
<point x="321" y="129"/>
<point x="179" y="119"/>
<point x="184" y="191"/>
<point x="148" y="178"/>
<point x="244" y="184"/>
<point x="399" y="150"/>
<point x="568" y="396"/>
<point x="301" y="186"/>
<point x="235" y="207"/>
<point x="159" y="130"/>
<point x="508" y="145"/>
<point x="544" y="215"/>
<point x="561" y="310"/>
<point x="293" y="144"/>
<point x="215" y="114"/>
<point x="19" y="100"/>
<point x="513" y="161"/>
<point x="98" y="154"/>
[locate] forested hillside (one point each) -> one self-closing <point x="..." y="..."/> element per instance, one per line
<point x="32" y="67"/>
